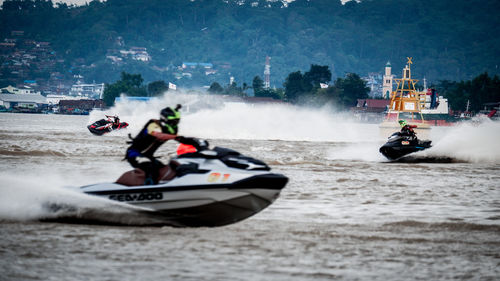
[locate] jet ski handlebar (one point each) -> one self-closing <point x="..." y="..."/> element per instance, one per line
<point x="199" y="144"/>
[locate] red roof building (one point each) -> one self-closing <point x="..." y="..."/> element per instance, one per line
<point x="372" y="105"/>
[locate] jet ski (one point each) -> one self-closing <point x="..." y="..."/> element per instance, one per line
<point x="399" y="145"/>
<point x="209" y="187"/>
<point x="104" y="126"/>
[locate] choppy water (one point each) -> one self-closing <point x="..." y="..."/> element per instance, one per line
<point x="346" y="214"/>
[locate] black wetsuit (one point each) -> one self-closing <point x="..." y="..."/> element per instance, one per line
<point x="407" y="130"/>
<point x="116" y="123"/>
<point x="145" y="145"/>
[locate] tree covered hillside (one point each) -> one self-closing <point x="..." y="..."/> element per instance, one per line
<point x="448" y="39"/>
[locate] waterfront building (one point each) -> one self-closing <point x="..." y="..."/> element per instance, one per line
<point x="87" y="90"/>
<point x="23" y="101"/>
<point x="387" y="81"/>
<point x="374" y="82"/>
<point x="81" y="106"/>
<point x="23" y="90"/>
<point x="53" y="99"/>
<point x="370" y="110"/>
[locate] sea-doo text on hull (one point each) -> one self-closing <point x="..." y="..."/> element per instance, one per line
<point x="399" y="145"/>
<point x="211" y="187"/>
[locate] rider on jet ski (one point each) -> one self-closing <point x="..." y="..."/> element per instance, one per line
<point x="154" y="133"/>
<point x="115" y="121"/>
<point x="407" y="129"/>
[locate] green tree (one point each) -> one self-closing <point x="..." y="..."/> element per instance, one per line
<point x="478" y="91"/>
<point x="294" y="86"/>
<point x="137" y="91"/>
<point x="350" y="89"/>
<point x="317" y="74"/>
<point x="330" y="95"/>
<point x="233" y="90"/>
<point x="215" y="88"/>
<point x="112" y="91"/>
<point x="257" y="85"/>
<point x="270" y="93"/>
<point x="157" y="87"/>
<point x="131" y="80"/>
<point x="129" y="84"/>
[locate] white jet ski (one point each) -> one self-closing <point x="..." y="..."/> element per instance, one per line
<point x="209" y="187"/>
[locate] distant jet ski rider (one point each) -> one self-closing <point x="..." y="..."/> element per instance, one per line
<point x="407" y="129"/>
<point x="115" y="121"/>
<point x="154" y="133"/>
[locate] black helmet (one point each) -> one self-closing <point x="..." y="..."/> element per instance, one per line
<point x="171" y="117"/>
<point x="170" y="114"/>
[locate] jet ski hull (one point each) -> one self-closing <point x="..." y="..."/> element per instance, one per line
<point x="200" y="205"/>
<point x="399" y="146"/>
<point x="102" y="127"/>
<point x="396" y="152"/>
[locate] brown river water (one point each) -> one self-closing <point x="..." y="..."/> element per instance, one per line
<point x="346" y="213"/>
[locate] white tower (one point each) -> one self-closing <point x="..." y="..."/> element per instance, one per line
<point x="267" y="74"/>
<point x="387" y="84"/>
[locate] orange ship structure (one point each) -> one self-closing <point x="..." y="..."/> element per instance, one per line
<point x="406" y="103"/>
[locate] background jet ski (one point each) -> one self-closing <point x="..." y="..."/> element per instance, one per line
<point x="104" y="126"/>
<point x="399" y="145"/>
<point x="209" y="187"/>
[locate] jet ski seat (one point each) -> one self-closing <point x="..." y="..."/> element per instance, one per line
<point x="168" y="172"/>
<point x="134" y="177"/>
<point x="137" y="176"/>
